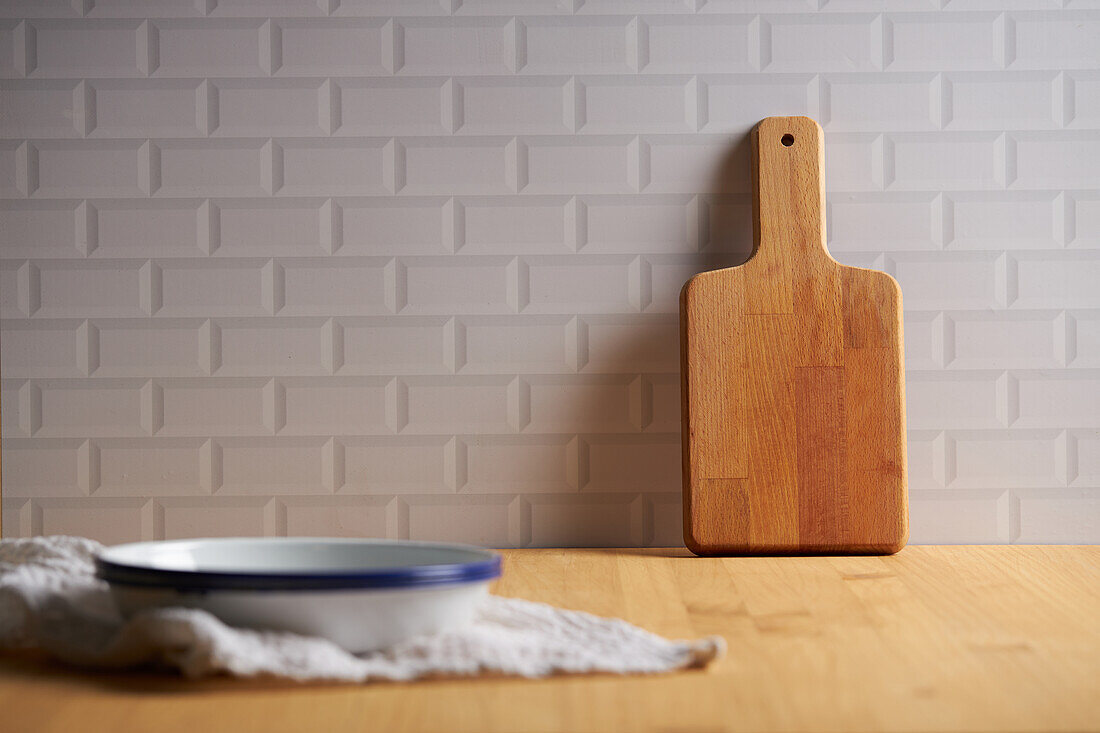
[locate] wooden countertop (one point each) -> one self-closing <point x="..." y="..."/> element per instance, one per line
<point x="932" y="639"/>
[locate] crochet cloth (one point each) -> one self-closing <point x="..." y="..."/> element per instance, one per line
<point x="50" y="599"/>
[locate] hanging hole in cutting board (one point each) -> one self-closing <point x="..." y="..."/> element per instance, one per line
<point x="787" y="140"/>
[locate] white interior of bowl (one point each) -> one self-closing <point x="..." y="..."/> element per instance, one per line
<point x="288" y="555"/>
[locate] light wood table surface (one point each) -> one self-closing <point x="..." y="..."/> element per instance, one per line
<point x="931" y="639"/>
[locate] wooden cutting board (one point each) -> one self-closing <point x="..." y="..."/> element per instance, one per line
<point x="792" y="379"/>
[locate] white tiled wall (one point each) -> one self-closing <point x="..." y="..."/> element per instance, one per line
<point x="297" y="267"/>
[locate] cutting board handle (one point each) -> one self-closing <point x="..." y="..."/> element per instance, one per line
<point x="788" y="162"/>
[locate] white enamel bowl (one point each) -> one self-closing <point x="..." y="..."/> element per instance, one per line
<point x="361" y="594"/>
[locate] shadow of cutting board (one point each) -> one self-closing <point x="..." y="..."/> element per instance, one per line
<point x="792" y="379"/>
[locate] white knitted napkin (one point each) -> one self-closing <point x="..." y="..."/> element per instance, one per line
<point x="50" y="599"/>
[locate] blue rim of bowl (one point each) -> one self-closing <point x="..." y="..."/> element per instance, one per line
<point x="413" y="576"/>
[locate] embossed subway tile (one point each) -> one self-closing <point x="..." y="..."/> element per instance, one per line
<point x="512" y="7"/>
<point x="963" y="41"/>
<point x="17" y="169"/>
<point x="528" y="225"/>
<point x="437" y="285"/>
<point x="78" y="289"/>
<point x="143" y="228"/>
<point x="1085" y="349"/>
<point x="1086" y="446"/>
<point x="67" y="169"/>
<point x="233" y="288"/>
<point x="129" y="8"/>
<point x="1049" y="399"/>
<point x="1069" y="40"/>
<point x="12" y="64"/>
<point x="668" y="521"/>
<point x="1062" y="280"/>
<point x="511" y="344"/>
<point x="1056" y="160"/>
<point x="43" y="349"/>
<point x="280" y="8"/>
<point x="867" y="103"/>
<point x="389" y="226"/>
<point x="528" y="465"/>
<point x="885" y="222"/>
<point x="13" y="276"/>
<point x="405" y="465"/>
<point x="274" y="346"/>
<point x="456" y="46"/>
<point x="854" y="162"/>
<point x="595" y="403"/>
<point x="86" y="48"/>
<point x="963" y="281"/>
<point x="147" y="348"/>
<point x="370" y="8"/>
<point x="617" y="104"/>
<point x="815" y="43"/>
<point x="335" y="46"/>
<point x="998" y="100"/>
<point x="336" y="287"/>
<point x="924" y="460"/>
<point x="738" y="102"/>
<point x="515" y="105"/>
<point x="947" y="161"/>
<point x="349" y="516"/>
<point x="144" y="108"/>
<point x="204" y="407"/>
<point x="153" y="467"/>
<point x="90" y="408"/>
<point x="1067" y="516"/>
<point x="40" y="229"/>
<point x="597" y="45"/>
<point x="106" y="520"/>
<point x="691" y="164"/>
<point x="347" y="406"/>
<point x="45" y="467"/>
<point x="289" y="107"/>
<point x="725" y="225"/>
<point x="686" y="44"/>
<point x="41" y="109"/>
<point x="202" y="47"/>
<point x="435" y="405"/>
<point x="998" y="221"/>
<point x="637" y="224"/>
<point x="597" y="284"/>
<point x="335" y="167"/>
<point x="1083" y="87"/>
<point x="954" y="400"/>
<point x="632" y="463"/>
<point x="596" y="164"/>
<point x="485" y="520"/>
<point x="457" y="166"/>
<point x="664" y="403"/>
<point x="217" y="516"/>
<point x="212" y="168"/>
<point x="618" y="344"/>
<point x="586" y="520"/>
<point x="18" y="416"/>
<point x="266" y="227"/>
<point x="1007" y="459"/>
<point x="388" y="106"/>
<point x="959" y="517"/>
<point x="924" y="340"/>
<point x="273" y="466"/>
<point x="408" y="345"/>
<point x="1084" y="208"/>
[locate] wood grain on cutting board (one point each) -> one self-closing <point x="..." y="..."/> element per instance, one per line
<point x="793" y="383"/>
